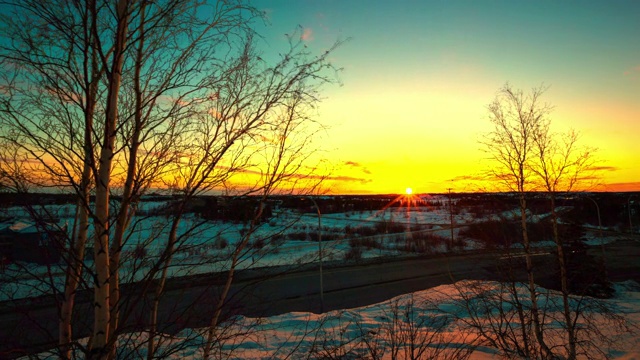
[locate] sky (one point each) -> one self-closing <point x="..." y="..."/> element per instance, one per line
<point x="418" y="75"/>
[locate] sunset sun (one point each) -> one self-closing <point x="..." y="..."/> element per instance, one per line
<point x="409" y="191"/>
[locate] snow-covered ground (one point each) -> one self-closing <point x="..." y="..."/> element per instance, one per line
<point x="438" y="323"/>
<point x="205" y="246"/>
<point x="290" y="238"/>
<point x="287" y="238"/>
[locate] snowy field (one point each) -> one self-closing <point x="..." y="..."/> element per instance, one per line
<point x="287" y="238"/>
<point x="438" y="323"/>
<point x="441" y="322"/>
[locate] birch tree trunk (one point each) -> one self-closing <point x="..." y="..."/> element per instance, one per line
<point x="76" y="263"/>
<point x="124" y="215"/>
<point x="100" y="339"/>
<point x="560" y="165"/>
<point x="533" y="296"/>
<point x="568" y="318"/>
<point x="80" y="234"/>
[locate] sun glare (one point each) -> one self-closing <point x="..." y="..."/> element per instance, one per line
<point x="409" y="191"/>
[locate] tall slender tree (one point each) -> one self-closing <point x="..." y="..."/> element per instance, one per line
<point x="516" y="117"/>
<point x="561" y="163"/>
<point x="112" y="97"/>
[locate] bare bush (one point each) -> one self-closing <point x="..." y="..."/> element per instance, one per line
<point x="499" y="315"/>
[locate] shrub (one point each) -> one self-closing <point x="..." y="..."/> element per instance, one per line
<point x="220" y="242"/>
<point x="276" y="239"/>
<point x="424" y="242"/>
<point x="258" y="243"/>
<point x="369" y="243"/>
<point x="390" y="227"/>
<point x="139" y="252"/>
<point x="354" y="254"/>
<point x="503" y="234"/>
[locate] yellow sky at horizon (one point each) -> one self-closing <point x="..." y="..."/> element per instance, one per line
<point x="393" y="140"/>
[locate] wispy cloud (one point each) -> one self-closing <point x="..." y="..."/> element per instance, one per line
<point x="623" y="186"/>
<point x="357" y="165"/>
<point x="267" y="13"/>
<point x="307" y="34"/>
<point x="349" y="179"/>
<point x="603" y="168"/>
<point x="341" y="178"/>
<point x="468" y="178"/>
<point x="309" y="176"/>
<point x="20" y="160"/>
<point x="634" y="71"/>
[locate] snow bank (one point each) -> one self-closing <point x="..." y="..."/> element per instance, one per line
<point x="434" y="323"/>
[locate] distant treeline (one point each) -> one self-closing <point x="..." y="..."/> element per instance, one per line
<point x="616" y="209"/>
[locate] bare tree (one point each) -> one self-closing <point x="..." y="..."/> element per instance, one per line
<point x="488" y="311"/>
<point x="110" y="97"/>
<point x="15" y="170"/>
<point x="413" y="333"/>
<point x="48" y="111"/>
<point x="516" y="117"/>
<point x="560" y="164"/>
<point x="527" y="156"/>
